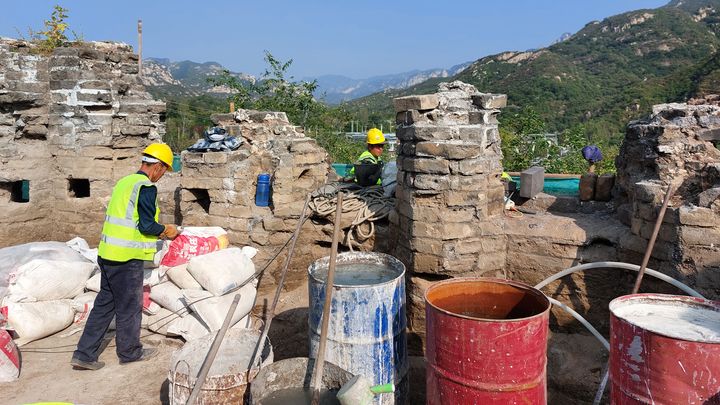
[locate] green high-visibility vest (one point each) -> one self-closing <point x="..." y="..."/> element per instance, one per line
<point x="366" y="157"/>
<point x="121" y="239"/>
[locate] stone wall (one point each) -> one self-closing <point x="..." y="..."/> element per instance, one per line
<point x="71" y="124"/>
<point x="675" y="147"/>
<point x="448" y="219"/>
<point x="218" y="188"/>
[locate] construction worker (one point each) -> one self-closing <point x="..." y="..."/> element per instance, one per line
<point x="130" y="236"/>
<point x="367" y="170"/>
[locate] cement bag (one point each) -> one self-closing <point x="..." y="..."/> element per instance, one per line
<point x="9" y="358"/>
<point x="82" y="304"/>
<point x="182" y="278"/>
<point x="169" y="296"/>
<point x="14" y="256"/>
<point x="93" y="283"/>
<point x="192" y="242"/>
<point x="221" y="271"/>
<point x="46" y="280"/>
<point x="190" y="327"/>
<point x="152" y="277"/>
<point x="212" y="310"/>
<point x="389" y="178"/>
<point x="36" y="320"/>
<point x="79" y="245"/>
<point x="160" y="322"/>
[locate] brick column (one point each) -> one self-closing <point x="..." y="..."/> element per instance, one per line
<point x="448" y="221"/>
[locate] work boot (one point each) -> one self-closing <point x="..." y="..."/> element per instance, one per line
<point x="146" y="354"/>
<point x="86" y="365"/>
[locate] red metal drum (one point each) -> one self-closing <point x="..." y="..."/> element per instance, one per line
<point x="664" y="349"/>
<point x="486" y="342"/>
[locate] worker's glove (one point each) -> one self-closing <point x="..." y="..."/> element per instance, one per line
<point x="170" y="232"/>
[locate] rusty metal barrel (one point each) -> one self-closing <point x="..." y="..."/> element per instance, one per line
<point x="664" y="349"/>
<point x="486" y="342"/>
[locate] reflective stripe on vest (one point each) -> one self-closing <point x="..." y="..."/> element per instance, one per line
<point x="121" y="239"/>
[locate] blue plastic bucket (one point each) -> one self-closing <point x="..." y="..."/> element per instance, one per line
<point x="366" y="333"/>
<point x="262" y="191"/>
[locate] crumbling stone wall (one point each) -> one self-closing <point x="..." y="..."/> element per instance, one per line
<point x="448" y="219"/>
<point x="674" y="147"/>
<point x="218" y="188"/>
<point x="71" y="124"/>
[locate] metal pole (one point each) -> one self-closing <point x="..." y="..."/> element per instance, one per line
<point x="271" y="312"/>
<point x="316" y="380"/>
<point x="139" y="47"/>
<point x="205" y="369"/>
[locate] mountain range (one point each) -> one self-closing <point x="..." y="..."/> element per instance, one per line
<point x="606" y="74"/>
<point x="187" y="79"/>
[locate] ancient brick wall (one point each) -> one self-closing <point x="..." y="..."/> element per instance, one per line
<point x="674" y="147"/>
<point x="448" y="221"/>
<point x="71" y="124"/>
<point x="218" y="188"/>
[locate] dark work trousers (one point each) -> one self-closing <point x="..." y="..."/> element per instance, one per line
<point x="120" y="296"/>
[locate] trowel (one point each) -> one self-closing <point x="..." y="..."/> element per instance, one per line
<point x="358" y="391"/>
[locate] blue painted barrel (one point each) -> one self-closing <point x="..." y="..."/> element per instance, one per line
<point x="262" y="191"/>
<point x="366" y="333"/>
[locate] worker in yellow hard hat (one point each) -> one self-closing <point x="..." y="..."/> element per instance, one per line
<point x="367" y="170"/>
<point x="130" y="236"/>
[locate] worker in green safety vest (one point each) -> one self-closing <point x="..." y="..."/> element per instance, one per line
<point x="367" y="170"/>
<point x="130" y="236"/>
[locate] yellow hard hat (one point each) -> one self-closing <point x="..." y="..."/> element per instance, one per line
<point x="162" y="152"/>
<point x="375" y="137"/>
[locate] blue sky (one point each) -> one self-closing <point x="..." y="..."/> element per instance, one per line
<point x="356" y="39"/>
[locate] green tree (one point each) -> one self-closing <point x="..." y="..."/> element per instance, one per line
<point x="276" y="90"/>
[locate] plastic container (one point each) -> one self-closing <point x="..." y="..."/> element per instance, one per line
<point x="262" y="191"/>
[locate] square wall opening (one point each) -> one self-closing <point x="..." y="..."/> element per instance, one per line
<point x="15" y="191"/>
<point x="202" y="198"/>
<point x="79" y="188"/>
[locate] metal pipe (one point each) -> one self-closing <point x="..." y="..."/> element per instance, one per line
<point x="320" y="359"/>
<point x="205" y="369"/>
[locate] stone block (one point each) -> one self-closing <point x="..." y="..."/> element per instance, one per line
<point x="648" y="191"/>
<point x="465" y="198"/>
<point x="707" y="197"/>
<point x="698" y="216"/>
<point x="135" y="130"/>
<point x="468" y="183"/>
<point x="425" y="132"/>
<point x="409" y="117"/>
<point x="588" y="183"/>
<point x="489" y="101"/>
<point x="699" y="236"/>
<point x="426" y="165"/>
<point x="304" y="145"/>
<point x="487" y="117"/>
<point x="604" y="186"/>
<point x="430" y="182"/>
<point x="310" y="158"/>
<point x="417" y="102"/>
<point x="532" y="181"/>
<point x="454" y="150"/>
<point x="215" y="157"/>
<point x="203" y="183"/>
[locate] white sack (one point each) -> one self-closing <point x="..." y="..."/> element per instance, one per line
<point x="222" y="270"/>
<point x="389" y="179"/>
<point x="83" y="304"/>
<point x="182" y="278"/>
<point x="79" y="245"/>
<point x="161" y="322"/>
<point x="190" y="327"/>
<point x="212" y="310"/>
<point x="36" y="320"/>
<point x="14" y="256"/>
<point x="9" y="358"/>
<point x="152" y="309"/>
<point x="93" y="283"/>
<point x="47" y="280"/>
<point x="169" y="296"/>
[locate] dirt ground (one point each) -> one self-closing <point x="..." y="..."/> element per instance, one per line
<point x="46" y="374"/>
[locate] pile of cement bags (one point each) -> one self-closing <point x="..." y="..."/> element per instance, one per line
<point x="39" y="285"/>
<point x="45" y="287"/>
